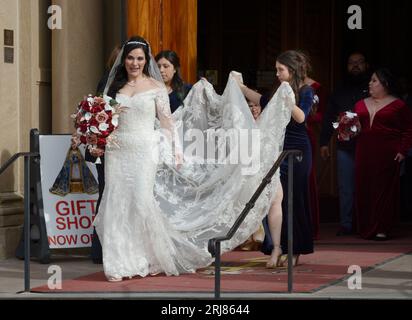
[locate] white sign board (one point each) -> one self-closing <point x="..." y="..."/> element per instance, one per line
<point x="70" y="192"/>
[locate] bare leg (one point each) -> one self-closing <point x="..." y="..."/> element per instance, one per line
<point x="275" y="227"/>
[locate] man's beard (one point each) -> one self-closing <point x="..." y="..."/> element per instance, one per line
<point x="357" y="79"/>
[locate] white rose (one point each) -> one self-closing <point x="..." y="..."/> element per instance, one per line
<point x="103" y="126"/>
<point x="94" y="129"/>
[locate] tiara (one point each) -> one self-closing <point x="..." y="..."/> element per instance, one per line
<point x="136" y="42"/>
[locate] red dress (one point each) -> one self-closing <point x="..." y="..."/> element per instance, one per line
<point x="376" y="171"/>
<point x="315" y="119"/>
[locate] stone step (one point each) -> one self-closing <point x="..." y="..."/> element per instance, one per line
<point x="11" y="220"/>
<point x="9" y="198"/>
<point x="9" y="239"/>
<point x="11" y="204"/>
<point x="10" y="210"/>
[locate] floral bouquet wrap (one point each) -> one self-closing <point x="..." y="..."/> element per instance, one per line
<point x="95" y="120"/>
<point x="348" y="126"/>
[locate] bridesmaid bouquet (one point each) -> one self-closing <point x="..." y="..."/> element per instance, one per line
<point x="348" y="126"/>
<point x="96" y="118"/>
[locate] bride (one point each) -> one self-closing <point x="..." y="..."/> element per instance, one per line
<point x="157" y="211"/>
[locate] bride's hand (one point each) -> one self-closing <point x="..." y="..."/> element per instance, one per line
<point x="96" y="152"/>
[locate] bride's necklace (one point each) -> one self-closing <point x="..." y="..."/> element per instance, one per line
<point x="133" y="83"/>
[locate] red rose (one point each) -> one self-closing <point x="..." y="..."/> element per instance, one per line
<point x="93" y="122"/>
<point x="83" y="139"/>
<point x="83" y="126"/>
<point x="96" y="109"/>
<point x="101" y="142"/>
<point x="85" y="106"/>
<point x="105" y="134"/>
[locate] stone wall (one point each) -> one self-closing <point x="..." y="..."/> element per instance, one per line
<point x="71" y="58"/>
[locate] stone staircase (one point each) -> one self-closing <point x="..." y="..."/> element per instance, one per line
<point x="11" y="223"/>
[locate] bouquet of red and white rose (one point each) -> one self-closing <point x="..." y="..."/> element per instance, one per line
<point x="96" y="118"/>
<point x="348" y="125"/>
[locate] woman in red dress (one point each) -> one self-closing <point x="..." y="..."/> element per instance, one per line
<point x="314" y="120"/>
<point x="384" y="141"/>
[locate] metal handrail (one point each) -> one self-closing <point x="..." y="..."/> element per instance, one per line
<point x="214" y="243"/>
<point x="27" y="156"/>
<point x="14" y="158"/>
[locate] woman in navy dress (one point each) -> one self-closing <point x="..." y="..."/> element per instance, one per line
<point x="296" y="137"/>
<point x="291" y="66"/>
<point x="169" y="65"/>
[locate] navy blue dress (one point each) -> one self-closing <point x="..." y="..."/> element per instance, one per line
<point x="176" y="100"/>
<point x="296" y="137"/>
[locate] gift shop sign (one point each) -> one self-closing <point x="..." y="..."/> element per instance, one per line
<point x="69" y="211"/>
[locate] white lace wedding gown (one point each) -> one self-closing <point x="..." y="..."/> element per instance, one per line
<point x="155" y="219"/>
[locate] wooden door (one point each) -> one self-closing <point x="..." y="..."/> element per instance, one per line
<point x="167" y="25"/>
<point x="310" y="26"/>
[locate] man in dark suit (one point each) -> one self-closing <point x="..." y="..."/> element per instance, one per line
<point x="353" y="89"/>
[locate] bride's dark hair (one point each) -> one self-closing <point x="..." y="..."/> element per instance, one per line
<point x="120" y="78"/>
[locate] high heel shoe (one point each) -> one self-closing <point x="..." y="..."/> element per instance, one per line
<point x="295" y="260"/>
<point x="272" y="264"/>
<point x="380" y="237"/>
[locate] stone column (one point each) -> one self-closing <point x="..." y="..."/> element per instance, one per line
<point x="77" y="58"/>
<point x="24" y="85"/>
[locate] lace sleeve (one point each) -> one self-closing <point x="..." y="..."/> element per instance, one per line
<point x="163" y="110"/>
<point x="167" y="123"/>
